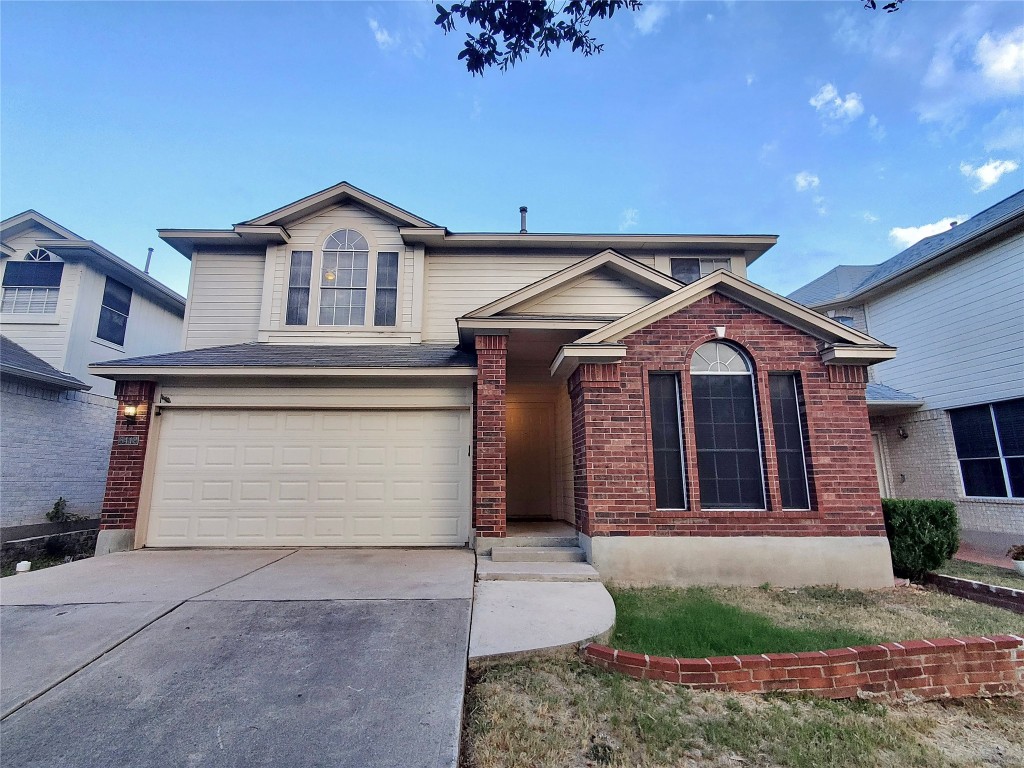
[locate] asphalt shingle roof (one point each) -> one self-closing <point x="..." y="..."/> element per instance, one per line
<point x="833" y="285"/>
<point x="15" y="360"/>
<point x="882" y="393"/>
<point x="828" y="288"/>
<point x="308" y="356"/>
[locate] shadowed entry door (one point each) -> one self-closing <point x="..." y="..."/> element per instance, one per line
<point x="531" y="437"/>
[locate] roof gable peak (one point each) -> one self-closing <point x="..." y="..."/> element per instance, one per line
<point x="336" y="195"/>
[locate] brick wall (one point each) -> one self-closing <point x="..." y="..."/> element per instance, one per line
<point x="912" y="670"/>
<point x="489" y="436"/>
<point x="613" y="456"/>
<point x="924" y="466"/>
<point x="124" y="476"/>
<point x="52" y="444"/>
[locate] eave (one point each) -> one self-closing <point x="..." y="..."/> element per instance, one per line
<point x="241" y="237"/>
<point x="158" y="372"/>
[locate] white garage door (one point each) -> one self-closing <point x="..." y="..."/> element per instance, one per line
<point x="313" y="478"/>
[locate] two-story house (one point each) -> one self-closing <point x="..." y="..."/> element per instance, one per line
<point x="948" y="413"/>
<point x="66" y="302"/>
<point x="356" y="375"/>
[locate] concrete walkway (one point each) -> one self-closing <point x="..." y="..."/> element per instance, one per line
<point x="518" y="616"/>
<point x="987" y="548"/>
<point x="237" y="657"/>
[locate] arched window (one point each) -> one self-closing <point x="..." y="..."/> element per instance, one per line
<point x="37" y="254"/>
<point x="726" y="428"/>
<point x="343" y="271"/>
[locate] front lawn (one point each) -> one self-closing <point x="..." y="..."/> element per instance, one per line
<point x="44" y="561"/>
<point x="989" y="574"/>
<point x="541" y="712"/>
<point x="726" y="621"/>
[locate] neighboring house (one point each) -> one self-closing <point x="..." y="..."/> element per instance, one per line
<point x="948" y="413"/>
<point x="66" y="302"/>
<point x="356" y="375"/>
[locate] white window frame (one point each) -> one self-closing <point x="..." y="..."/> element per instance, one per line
<point x="1002" y="460"/>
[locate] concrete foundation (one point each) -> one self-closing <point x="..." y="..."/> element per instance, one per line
<point x="744" y="561"/>
<point x="109" y="541"/>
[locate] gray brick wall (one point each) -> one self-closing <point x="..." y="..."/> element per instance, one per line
<point x="924" y="466"/>
<point x="52" y="444"/>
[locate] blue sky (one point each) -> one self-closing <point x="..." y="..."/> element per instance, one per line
<point x="845" y="132"/>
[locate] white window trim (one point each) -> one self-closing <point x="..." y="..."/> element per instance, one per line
<point x="1002" y="463"/>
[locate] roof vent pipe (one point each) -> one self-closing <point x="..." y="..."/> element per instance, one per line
<point x="149" y="258"/>
<point x="522" y="219"/>
<point x="953" y="224"/>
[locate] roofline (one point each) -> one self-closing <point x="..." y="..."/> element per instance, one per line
<point x="46" y="221"/>
<point x="241" y="236"/>
<point x="752" y="246"/>
<point x="72" y="249"/>
<point x="64" y="382"/>
<point x="327" y="196"/>
<point x="150" y="372"/>
<point x="990" y="232"/>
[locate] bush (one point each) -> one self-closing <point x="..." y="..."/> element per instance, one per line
<point x="60" y="514"/>
<point x="923" y="534"/>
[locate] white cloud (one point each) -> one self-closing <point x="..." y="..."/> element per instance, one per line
<point x="630" y="217"/>
<point x="805" y="180"/>
<point x="819" y="203"/>
<point x="907" y="236"/>
<point x="989" y="174"/>
<point x="751" y="79"/>
<point x="384" y="39"/>
<point x="769" y="151"/>
<point x="869" y="217"/>
<point x="649" y="18"/>
<point x="1001" y="60"/>
<point x="876" y="128"/>
<point x="832" y="106"/>
<point x="1006" y="132"/>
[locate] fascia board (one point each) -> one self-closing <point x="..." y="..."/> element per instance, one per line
<point x="126" y="373"/>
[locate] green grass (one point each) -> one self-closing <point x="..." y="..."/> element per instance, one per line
<point x="46" y="561"/>
<point x="988" y="574"/>
<point x="692" y="624"/>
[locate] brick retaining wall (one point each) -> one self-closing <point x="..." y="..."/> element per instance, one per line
<point x="978" y="591"/>
<point x="911" y="670"/>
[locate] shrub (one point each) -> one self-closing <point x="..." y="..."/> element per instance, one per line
<point x="60" y="514"/>
<point x="923" y="534"/>
<point x="1016" y="552"/>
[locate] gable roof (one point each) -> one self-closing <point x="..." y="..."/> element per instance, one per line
<point x="607" y="259"/>
<point x="978" y="229"/>
<point x="835" y="284"/>
<point x="15" y="225"/>
<point x="17" y="361"/>
<point x="336" y="195"/>
<point x="742" y="290"/>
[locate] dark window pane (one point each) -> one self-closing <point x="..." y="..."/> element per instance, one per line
<point x="112" y="326"/>
<point x="299" y="276"/>
<point x="1015" y="469"/>
<point x="728" y="448"/>
<point x="668" y="454"/>
<point x="36" y="274"/>
<point x="686" y="270"/>
<point x="117" y="296"/>
<point x="789" y="443"/>
<point x="385" y="311"/>
<point x="983" y="477"/>
<point x="1010" y="424"/>
<point x="973" y="433"/>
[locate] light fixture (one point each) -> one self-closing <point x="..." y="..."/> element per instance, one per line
<point x="329" y="277"/>
<point x="130" y="412"/>
<point x="902" y="433"/>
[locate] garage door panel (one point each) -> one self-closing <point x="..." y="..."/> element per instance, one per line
<point x="311" y="478"/>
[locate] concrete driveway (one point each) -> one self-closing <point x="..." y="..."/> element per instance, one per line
<point x="311" y="657"/>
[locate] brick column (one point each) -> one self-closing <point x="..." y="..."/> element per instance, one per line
<point x="127" y="460"/>
<point x="489" y="462"/>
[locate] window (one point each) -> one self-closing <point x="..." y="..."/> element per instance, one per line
<point x="385" y="310"/>
<point x="299" y="275"/>
<point x="343" y="279"/>
<point x="726" y="428"/>
<point x="31" y="286"/>
<point x="117" y="300"/>
<point x="688" y="270"/>
<point x="669" y="488"/>
<point x="37" y="254"/>
<point x="789" y="439"/>
<point x="990" y="446"/>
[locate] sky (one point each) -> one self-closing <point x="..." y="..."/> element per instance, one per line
<point x="848" y="133"/>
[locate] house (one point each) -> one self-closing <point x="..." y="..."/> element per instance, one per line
<point x="66" y="302"/>
<point x="947" y="415"/>
<point x="355" y="375"/>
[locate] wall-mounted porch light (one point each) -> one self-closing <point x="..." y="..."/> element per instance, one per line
<point x="131" y="412"/>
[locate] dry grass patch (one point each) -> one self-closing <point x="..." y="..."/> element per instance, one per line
<point x="988" y="574"/>
<point x="556" y="712"/>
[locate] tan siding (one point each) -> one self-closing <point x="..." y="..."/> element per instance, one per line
<point x="224" y="307"/>
<point x="385" y="395"/>
<point x="48" y="339"/>
<point x="959" y="330"/>
<point x="600" y="293"/>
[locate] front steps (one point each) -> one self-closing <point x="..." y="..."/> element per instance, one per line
<point x="534" y="555"/>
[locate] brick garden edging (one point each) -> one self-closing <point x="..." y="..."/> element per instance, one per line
<point x="948" y="667"/>
<point x="978" y="591"/>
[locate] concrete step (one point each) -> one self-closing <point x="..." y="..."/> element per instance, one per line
<point x="488" y="570"/>
<point x="504" y="554"/>
<point x="484" y="545"/>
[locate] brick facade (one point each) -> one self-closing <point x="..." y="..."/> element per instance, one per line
<point x="124" y="476"/>
<point x="613" y="456"/>
<point x="489" y="436"/>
